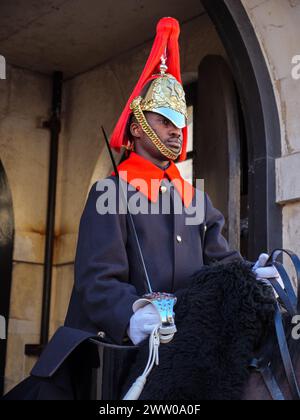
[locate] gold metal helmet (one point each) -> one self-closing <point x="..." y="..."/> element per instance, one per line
<point x="165" y="96"/>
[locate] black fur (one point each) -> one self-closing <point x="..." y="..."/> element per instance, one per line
<point x="221" y="318"/>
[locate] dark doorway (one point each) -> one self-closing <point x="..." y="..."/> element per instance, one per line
<point x="217" y="142"/>
<point x="261" y="122"/>
<point x="6" y="255"/>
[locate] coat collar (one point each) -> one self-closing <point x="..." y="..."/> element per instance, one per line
<point x="141" y="173"/>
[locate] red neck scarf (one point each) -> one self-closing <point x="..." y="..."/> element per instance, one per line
<point x="146" y="177"/>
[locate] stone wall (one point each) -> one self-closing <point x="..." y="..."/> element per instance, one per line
<point x="276" y="23"/>
<point x="24" y="152"/>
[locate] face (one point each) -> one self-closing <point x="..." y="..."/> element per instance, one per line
<point x="167" y="132"/>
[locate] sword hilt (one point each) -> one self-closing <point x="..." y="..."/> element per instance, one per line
<point x="164" y="304"/>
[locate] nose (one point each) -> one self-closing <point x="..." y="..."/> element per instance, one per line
<point x="175" y="131"/>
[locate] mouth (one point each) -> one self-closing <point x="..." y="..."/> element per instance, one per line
<point x="174" y="144"/>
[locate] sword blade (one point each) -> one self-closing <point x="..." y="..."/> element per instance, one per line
<point x="139" y="249"/>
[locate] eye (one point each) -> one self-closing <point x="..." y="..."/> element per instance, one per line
<point x="165" y="121"/>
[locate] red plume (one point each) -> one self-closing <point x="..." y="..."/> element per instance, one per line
<point x="167" y="33"/>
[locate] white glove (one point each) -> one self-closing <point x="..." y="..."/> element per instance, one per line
<point x="263" y="272"/>
<point x="142" y="323"/>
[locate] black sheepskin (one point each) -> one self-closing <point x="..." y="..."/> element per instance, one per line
<point x="221" y="318"/>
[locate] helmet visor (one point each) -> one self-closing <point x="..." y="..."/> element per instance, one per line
<point x="175" y="117"/>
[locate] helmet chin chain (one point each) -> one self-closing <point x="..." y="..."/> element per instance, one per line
<point x="162" y="333"/>
<point x="141" y="119"/>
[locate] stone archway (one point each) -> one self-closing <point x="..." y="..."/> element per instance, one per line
<point x="261" y="120"/>
<point x="6" y="255"/>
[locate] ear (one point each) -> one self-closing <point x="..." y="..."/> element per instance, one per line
<point x="135" y="130"/>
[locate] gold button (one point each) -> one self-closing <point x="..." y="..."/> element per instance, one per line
<point x="163" y="189"/>
<point x="179" y="239"/>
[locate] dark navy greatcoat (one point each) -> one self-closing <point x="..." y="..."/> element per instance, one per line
<point x="108" y="273"/>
